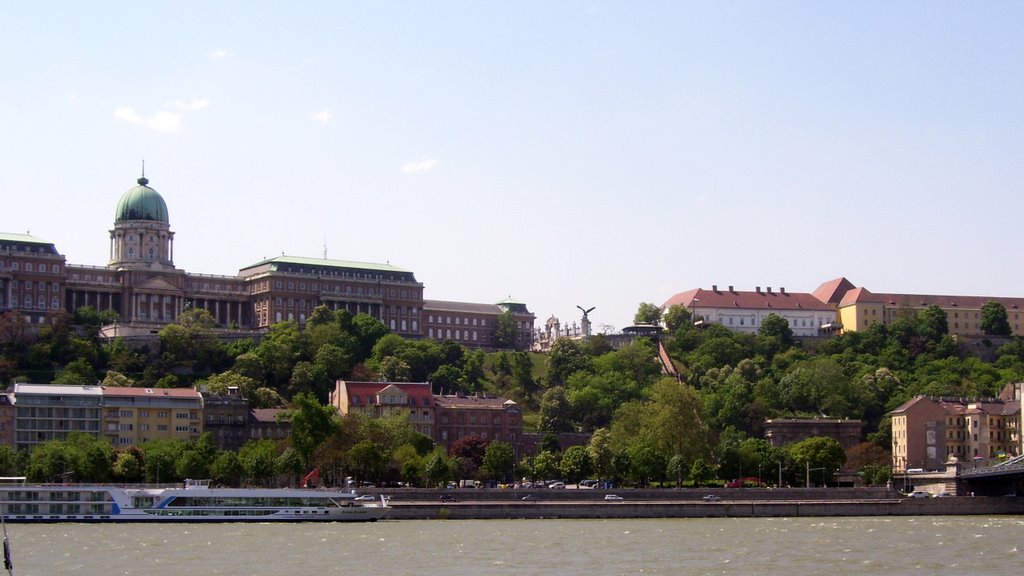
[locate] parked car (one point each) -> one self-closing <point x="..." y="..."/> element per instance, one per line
<point x="613" y="497"/>
<point x="919" y="494"/>
<point x="557" y="485"/>
<point x="366" y="498"/>
<point x="711" y="498"/>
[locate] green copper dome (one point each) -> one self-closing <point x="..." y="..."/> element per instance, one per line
<point x="141" y="203"/>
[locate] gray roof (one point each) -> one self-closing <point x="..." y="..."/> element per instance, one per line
<point x="466" y="307"/>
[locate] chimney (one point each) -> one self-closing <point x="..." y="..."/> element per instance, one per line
<point x="731" y="291"/>
<point x="714" y="288"/>
<point x="782" y="289"/>
<point x="757" y="289"/>
<point x="769" y="289"/>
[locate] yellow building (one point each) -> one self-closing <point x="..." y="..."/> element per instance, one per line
<point x="133" y="416"/>
<point x="858" y="309"/>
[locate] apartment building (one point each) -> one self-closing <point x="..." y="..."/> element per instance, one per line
<point x="383" y="399"/>
<point x="490" y="417"/>
<point x="134" y="416"/>
<point x="45" y="412"/>
<point x="928" y="431"/>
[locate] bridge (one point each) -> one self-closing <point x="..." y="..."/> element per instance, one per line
<point x="1002" y="479"/>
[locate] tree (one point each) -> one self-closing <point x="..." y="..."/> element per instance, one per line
<point x="932" y="323"/>
<point x="78" y="372"/>
<point x="575" y="464"/>
<point x="258" y="459"/>
<point x="564" y="359"/>
<point x="647" y="313"/>
<point x="600" y="451"/>
<point x="676" y="317"/>
<point x="554" y="411"/>
<point x="778" y="327"/>
<point x="505" y="331"/>
<point x="366" y="459"/>
<point x="311" y="424"/>
<point x="994" y="320"/>
<point x="498" y="460"/>
<point x="226" y="468"/>
<point x="820" y="452"/>
<point x="128" y="466"/>
<point x="470" y="450"/>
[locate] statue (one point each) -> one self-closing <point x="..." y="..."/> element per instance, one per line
<point x="585" y="322"/>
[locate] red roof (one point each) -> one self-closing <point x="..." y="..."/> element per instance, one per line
<point x="413" y="389"/>
<point x="924" y="300"/>
<point x="832" y="292"/>
<point x="766" y="299"/>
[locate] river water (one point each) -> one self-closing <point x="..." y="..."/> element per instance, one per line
<point x="941" y="545"/>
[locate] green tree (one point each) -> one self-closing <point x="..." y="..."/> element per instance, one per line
<point x="78" y="372"/>
<point x="676" y="317"/>
<point x="311" y="423"/>
<point x="439" y="469"/>
<point x="554" y="411"/>
<point x="498" y="460"/>
<point x="227" y="469"/>
<point x="932" y="323"/>
<point x="505" y="332"/>
<point x="575" y="464"/>
<point x="258" y="459"/>
<point x="775" y="326"/>
<point x="128" y="466"/>
<point x="367" y="460"/>
<point x="994" y="319"/>
<point x="160" y="459"/>
<point x="564" y="359"/>
<point x="825" y="454"/>
<point x="600" y="451"/>
<point x="647" y="313"/>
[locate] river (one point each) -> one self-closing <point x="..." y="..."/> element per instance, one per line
<point x="926" y="545"/>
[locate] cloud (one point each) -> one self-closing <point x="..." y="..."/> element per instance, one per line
<point x="167" y="120"/>
<point x="324" y="116"/>
<point x="162" y="121"/>
<point x="219" y="54"/>
<point x="421" y="166"/>
<point x="193" y="105"/>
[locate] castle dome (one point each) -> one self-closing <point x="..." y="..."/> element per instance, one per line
<point x="141" y="203"/>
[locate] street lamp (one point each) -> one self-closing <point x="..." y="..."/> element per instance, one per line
<point x="807" y="484"/>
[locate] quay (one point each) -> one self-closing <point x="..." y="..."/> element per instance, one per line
<point x="688" y="503"/>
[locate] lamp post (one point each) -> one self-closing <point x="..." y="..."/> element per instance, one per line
<point x="807" y="483"/>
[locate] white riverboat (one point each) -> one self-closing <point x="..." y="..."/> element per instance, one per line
<point x="196" y="501"/>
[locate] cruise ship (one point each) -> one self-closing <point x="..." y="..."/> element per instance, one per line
<point x="196" y="501"/>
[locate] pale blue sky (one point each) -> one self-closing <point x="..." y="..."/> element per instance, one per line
<point x="595" y="153"/>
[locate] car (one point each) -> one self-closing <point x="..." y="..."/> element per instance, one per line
<point x="449" y="498"/>
<point x="557" y="485"/>
<point x="613" y="497"/>
<point x="919" y="494"/>
<point x="366" y="498"/>
<point x="711" y="498"/>
<point x="531" y="497"/>
<point x="945" y="495"/>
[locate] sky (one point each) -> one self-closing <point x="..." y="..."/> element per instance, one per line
<point x="598" y="153"/>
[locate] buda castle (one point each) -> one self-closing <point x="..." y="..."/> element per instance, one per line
<point x="141" y="284"/>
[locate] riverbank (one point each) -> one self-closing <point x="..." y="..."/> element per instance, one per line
<point x="743" y="503"/>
